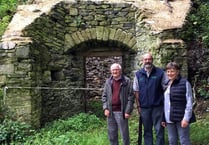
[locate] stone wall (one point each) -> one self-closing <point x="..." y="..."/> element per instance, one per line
<point x="96" y="71"/>
<point x="44" y="62"/>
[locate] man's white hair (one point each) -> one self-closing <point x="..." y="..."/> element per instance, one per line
<point x="115" y="65"/>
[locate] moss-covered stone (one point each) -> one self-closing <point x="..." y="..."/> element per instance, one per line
<point x="44" y="63"/>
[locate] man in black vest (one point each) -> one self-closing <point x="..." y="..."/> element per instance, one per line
<point x="148" y="88"/>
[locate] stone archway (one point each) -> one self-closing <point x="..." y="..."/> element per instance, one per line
<point x="72" y="77"/>
<point x="47" y="66"/>
<point x="44" y="49"/>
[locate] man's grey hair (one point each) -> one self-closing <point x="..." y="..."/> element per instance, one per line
<point x="115" y="65"/>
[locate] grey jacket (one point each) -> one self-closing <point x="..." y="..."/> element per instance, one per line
<point x="126" y="95"/>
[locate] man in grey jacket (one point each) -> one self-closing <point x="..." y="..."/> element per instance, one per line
<point x="118" y="100"/>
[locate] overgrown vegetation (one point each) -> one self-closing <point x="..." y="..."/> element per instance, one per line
<point x="86" y="129"/>
<point x="197" y="27"/>
<point x="199" y="132"/>
<point x="13" y="131"/>
<point x="204" y="89"/>
<point x="195" y="34"/>
<point x="7" y="9"/>
<point x="94" y="107"/>
<point x="82" y="129"/>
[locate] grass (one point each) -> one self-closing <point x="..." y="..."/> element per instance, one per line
<point x="199" y="132"/>
<point x="82" y="129"/>
<point x="88" y="129"/>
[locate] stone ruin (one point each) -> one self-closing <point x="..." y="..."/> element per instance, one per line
<point x="57" y="53"/>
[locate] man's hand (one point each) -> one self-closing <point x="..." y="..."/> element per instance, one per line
<point x="127" y="115"/>
<point x="107" y="113"/>
<point x="163" y="124"/>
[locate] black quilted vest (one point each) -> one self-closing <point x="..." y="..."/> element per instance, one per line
<point x="178" y="99"/>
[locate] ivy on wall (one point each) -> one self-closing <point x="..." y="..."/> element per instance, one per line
<point x="195" y="33"/>
<point x="197" y="27"/>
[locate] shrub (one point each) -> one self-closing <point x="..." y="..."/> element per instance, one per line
<point x="80" y="122"/>
<point x="71" y="131"/>
<point x="203" y="89"/>
<point x="95" y="107"/>
<point x="7" y="7"/>
<point x="199" y="132"/>
<point x="197" y="24"/>
<point x="7" y="10"/>
<point x="12" y="131"/>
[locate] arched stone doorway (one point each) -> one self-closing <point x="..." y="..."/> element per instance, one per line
<point x="45" y="48"/>
<point x="49" y="59"/>
<point x="83" y="75"/>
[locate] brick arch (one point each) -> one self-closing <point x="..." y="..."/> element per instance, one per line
<point x="40" y="44"/>
<point x="100" y="34"/>
<point x="40" y="58"/>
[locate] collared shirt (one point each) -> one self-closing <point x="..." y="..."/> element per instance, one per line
<point x="150" y="88"/>
<point x="148" y="71"/>
<point x="188" y="109"/>
<point x="136" y="85"/>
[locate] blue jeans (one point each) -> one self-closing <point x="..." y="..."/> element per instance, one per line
<point x="175" y="130"/>
<point x="114" y="122"/>
<point x="152" y="117"/>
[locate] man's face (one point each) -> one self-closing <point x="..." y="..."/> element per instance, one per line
<point x="147" y="61"/>
<point x="116" y="72"/>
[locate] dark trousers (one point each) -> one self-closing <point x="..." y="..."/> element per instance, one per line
<point x="152" y="117"/>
